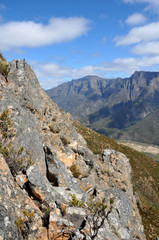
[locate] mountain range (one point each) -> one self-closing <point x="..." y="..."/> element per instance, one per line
<point x="121" y="108"/>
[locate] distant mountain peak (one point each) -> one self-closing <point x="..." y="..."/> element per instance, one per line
<point x="146" y="74"/>
<point x="110" y="106"/>
<point x="90" y="77"/>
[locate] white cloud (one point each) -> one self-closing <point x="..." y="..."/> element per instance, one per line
<point x="150" y="48"/>
<point x="133" y="64"/>
<point x="145" y="33"/>
<point x="136" y="19"/>
<point x="52" y="74"/>
<point x="152" y="4"/>
<point x="31" y="34"/>
<point x="59" y="71"/>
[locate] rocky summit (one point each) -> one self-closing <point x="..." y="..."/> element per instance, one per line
<point x="65" y="191"/>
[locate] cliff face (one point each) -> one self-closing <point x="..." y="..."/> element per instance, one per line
<point x="114" y="107"/>
<point x="37" y="202"/>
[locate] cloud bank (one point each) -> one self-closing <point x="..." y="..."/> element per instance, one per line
<point x="145" y="33"/>
<point x="151" y="4"/>
<point x="150" y="48"/>
<point x="136" y="19"/>
<point x="31" y="34"/>
<point x="58" y="73"/>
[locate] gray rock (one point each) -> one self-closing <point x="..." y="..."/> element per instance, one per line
<point x="75" y="215"/>
<point x="121" y="219"/>
<point x="13" y="201"/>
<point x="43" y="190"/>
<point x="106" y="154"/>
<point x="41" y="187"/>
<point x="57" y="172"/>
<point x="87" y="155"/>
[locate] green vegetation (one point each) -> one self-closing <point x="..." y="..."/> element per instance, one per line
<point x="111" y="200"/>
<point x="75" y="202"/>
<point x="96" y="205"/>
<point x="153" y="156"/>
<point x="145" y="130"/>
<point x="95" y="210"/>
<point x="75" y="170"/>
<point x="65" y="141"/>
<point x="45" y="209"/>
<point x="16" y="160"/>
<point x="93" y="205"/>
<point x="145" y="177"/>
<point x="29" y="215"/>
<point x="3" y="66"/>
<point x="19" y="222"/>
<point x="22" y="224"/>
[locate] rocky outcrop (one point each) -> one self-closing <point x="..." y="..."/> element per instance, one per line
<point x="20" y="218"/>
<point x="48" y="200"/>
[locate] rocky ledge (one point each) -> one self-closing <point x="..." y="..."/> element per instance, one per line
<point x="66" y="192"/>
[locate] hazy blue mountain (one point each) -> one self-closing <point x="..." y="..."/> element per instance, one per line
<point x="114" y="107"/>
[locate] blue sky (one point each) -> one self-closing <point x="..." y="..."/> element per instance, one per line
<point x="69" y="39"/>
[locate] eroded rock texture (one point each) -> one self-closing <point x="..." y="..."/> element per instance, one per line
<point x="36" y="203"/>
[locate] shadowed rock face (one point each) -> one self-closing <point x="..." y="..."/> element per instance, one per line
<point x="112" y="106"/>
<point x="35" y="203"/>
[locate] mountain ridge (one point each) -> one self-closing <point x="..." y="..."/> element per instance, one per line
<point x="120" y="103"/>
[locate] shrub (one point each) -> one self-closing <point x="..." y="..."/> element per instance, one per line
<point x="19" y="222"/>
<point x="2" y="58"/>
<point x="96" y="213"/>
<point x="65" y="141"/>
<point x="75" y="202"/>
<point x="29" y="215"/>
<point x="75" y="170"/>
<point x="111" y="200"/>
<point x="96" y="206"/>
<point x="23" y="223"/>
<point x="3" y="66"/>
<point x="46" y="209"/>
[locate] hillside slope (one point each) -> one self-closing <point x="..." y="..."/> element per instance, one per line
<point x="145" y="176"/>
<point x="113" y="106"/>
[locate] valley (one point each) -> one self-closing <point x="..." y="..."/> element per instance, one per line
<point x="149" y="150"/>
